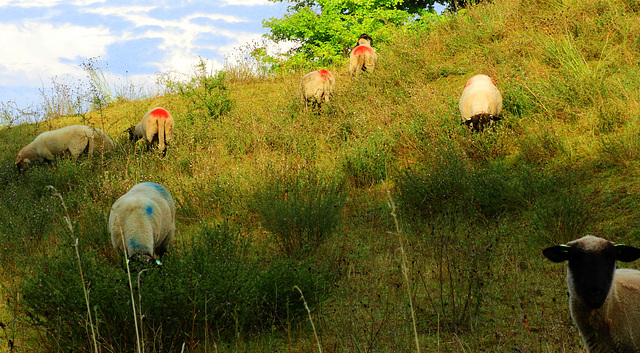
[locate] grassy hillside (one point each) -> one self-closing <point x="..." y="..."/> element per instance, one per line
<point x="270" y="196"/>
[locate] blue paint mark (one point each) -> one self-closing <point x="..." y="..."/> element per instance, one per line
<point x="149" y="210"/>
<point x="160" y="189"/>
<point x="133" y="244"/>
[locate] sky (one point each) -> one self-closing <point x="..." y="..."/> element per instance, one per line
<point x="133" y="40"/>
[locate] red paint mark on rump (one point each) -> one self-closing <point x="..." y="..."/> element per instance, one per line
<point x="362" y="49"/>
<point x="160" y="113"/>
<point x="468" y="83"/>
<point x="324" y="73"/>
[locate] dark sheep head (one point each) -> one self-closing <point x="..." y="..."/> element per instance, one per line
<point x="367" y="37"/>
<point x="132" y="133"/>
<point x="592" y="263"/>
<point x="478" y="121"/>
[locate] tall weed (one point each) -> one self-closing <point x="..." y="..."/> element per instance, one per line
<point x="300" y="210"/>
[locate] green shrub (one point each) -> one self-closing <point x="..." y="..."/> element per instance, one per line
<point x="561" y="214"/>
<point x="368" y="162"/>
<point x="541" y="147"/>
<point x="210" y="289"/>
<point x="440" y="187"/>
<point x="518" y="101"/>
<point x="207" y="94"/>
<point x="300" y="210"/>
<point x="496" y="190"/>
<point x="461" y="250"/>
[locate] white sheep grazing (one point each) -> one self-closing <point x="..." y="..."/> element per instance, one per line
<point x="604" y="302"/>
<point x="317" y="86"/>
<point x="363" y="57"/>
<point x="144" y="218"/>
<point x="156" y="126"/>
<point x="481" y="102"/>
<point x="73" y="140"/>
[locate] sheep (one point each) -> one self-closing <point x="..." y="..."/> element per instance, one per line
<point x="144" y="218"/>
<point x="317" y="86"/>
<point x="156" y="126"/>
<point x="73" y="140"/>
<point x="480" y="103"/>
<point x="363" y="57"/>
<point x="604" y="302"/>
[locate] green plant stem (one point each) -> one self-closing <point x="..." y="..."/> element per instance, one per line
<point x="310" y="319"/>
<point x="133" y="300"/>
<point x="140" y="304"/>
<point x="404" y="268"/>
<point x="75" y="245"/>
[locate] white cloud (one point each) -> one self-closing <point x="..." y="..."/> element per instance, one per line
<point x="139" y="15"/>
<point x="247" y="2"/>
<point x="87" y="2"/>
<point x="180" y="36"/>
<point x="34" y="48"/>
<point x="29" y="3"/>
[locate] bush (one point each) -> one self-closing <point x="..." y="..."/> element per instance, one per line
<point x="207" y="94"/>
<point x="441" y="188"/>
<point x="451" y="186"/>
<point x="210" y="289"/>
<point x="462" y="250"/>
<point x="369" y="162"/>
<point x="561" y="215"/>
<point x="301" y="211"/>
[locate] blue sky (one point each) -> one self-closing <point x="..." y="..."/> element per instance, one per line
<point x="134" y="39"/>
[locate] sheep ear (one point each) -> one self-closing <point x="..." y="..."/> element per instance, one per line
<point x="558" y="253"/>
<point x="626" y="253"/>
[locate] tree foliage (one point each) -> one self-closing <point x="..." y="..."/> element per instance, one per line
<point x="327" y="29"/>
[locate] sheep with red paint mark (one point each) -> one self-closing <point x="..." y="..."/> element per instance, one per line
<point x="604" y="302"/>
<point x="363" y="57"/>
<point x="316" y="87"/>
<point x="156" y="127"/>
<point x="142" y="221"/>
<point x="480" y="102"/>
<point x="73" y="140"/>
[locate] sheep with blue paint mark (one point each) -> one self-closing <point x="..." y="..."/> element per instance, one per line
<point x="142" y="221"/>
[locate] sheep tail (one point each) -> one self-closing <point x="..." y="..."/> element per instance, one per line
<point x="89" y="148"/>
<point x="161" y="126"/>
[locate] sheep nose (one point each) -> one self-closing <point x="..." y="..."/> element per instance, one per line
<point x="595" y="292"/>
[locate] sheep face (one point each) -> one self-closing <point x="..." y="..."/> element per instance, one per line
<point x="132" y="134"/>
<point x="591" y="266"/>
<point x="22" y="164"/>
<point x="365" y="39"/>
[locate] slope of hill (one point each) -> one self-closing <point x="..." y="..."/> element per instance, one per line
<point x="272" y="196"/>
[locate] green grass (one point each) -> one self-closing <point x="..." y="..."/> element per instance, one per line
<point x="270" y="196"/>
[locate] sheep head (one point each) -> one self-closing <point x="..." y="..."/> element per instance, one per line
<point x="22" y="164"/>
<point x="591" y="266"/>
<point x="365" y="39"/>
<point x="132" y="133"/>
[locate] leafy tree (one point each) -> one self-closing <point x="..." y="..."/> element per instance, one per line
<point x="327" y="29"/>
